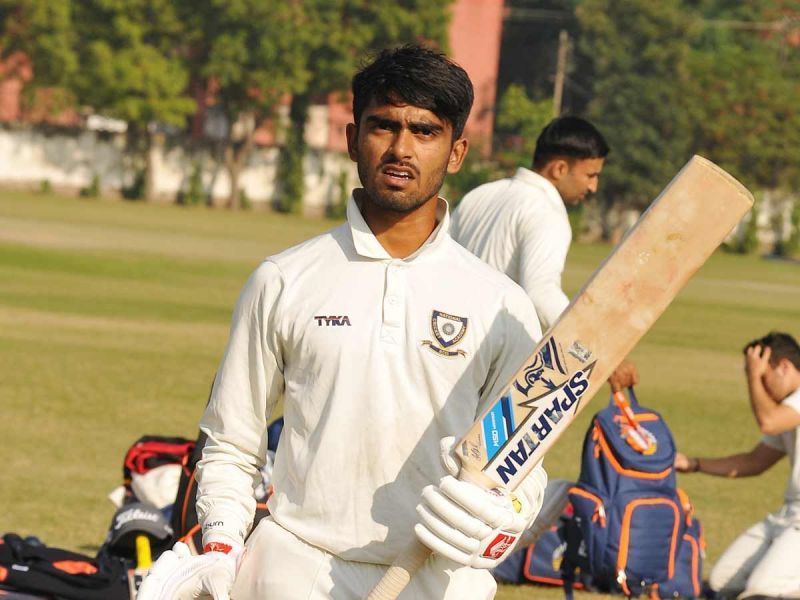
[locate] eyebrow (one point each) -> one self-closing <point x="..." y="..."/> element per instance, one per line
<point x="412" y="125"/>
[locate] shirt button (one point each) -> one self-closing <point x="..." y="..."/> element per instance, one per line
<point x="392" y="300"/>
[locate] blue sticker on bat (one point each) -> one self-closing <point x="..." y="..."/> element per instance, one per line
<point x="498" y="424"/>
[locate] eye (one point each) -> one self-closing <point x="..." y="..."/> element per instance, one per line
<point x="424" y="131"/>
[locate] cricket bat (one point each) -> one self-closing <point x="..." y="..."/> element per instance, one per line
<point x="602" y="324"/>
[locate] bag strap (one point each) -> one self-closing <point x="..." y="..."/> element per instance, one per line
<point x="632" y="400"/>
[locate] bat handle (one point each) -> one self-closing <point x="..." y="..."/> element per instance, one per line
<point x="400" y="572"/>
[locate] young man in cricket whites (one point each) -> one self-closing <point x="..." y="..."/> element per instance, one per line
<point x="385" y="339"/>
<point x="762" y="561"/>
<point x="520" y="226"/>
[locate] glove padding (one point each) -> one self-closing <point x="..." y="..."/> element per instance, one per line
<point x="474" y="526"/>
<point x="179" y="575"/>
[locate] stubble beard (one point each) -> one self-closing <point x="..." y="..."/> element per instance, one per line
<point x="398" y="201"/>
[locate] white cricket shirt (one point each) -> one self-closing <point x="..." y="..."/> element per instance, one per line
<point x="376" y="359"/>
<point x="520" y="227"/>
<point x="788" y="442"/>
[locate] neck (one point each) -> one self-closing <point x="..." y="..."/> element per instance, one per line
<point x="400" y="233"/>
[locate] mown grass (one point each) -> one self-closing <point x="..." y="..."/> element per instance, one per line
<point x="113" y="317"/>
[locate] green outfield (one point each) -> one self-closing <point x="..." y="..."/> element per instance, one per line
<point x="113" y="317"/>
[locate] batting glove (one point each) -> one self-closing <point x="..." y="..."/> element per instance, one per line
<point x="474" y="526"/>
<point x="180" y="575"/>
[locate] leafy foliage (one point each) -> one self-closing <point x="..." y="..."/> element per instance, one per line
<point x="519" y="121"/>
<point x="747" y="84"/>
<point x="639" y="55"/>
<point x="44" y="31"/>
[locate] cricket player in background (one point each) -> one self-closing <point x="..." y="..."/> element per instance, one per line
<point x="385" y="338"/>
<point x="520" y="225"/>
<point x="762" y="561"/>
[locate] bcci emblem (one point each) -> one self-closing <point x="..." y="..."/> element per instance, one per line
<point x="448" y="331"/>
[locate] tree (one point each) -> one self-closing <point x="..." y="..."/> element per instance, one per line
<point x="341" y="33"/>
<point x="248" y="54"/>
<point x="519" y="122"/>
<point x="119" y="57"/>
<point x="638" y="51"/>
<point x="747" y="84"/>
<point x="43" y="31"/>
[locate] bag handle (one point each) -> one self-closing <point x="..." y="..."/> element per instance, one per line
<point x="632" y="400"/>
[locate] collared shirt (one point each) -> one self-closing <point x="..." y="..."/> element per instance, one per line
<point x="376" y="359"/>
<point x="520" y="227"/>
<point x="788" y="442"/>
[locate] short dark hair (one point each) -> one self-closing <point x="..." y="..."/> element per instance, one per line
<point x="570" y="138"/>
<point x="782" y="346"/>
<point x="418" y="76"/>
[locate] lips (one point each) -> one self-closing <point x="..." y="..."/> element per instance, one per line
<point x="398" y="174"/>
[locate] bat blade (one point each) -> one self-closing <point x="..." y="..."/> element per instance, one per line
<point x="605" y="320"/>
<point x="602" y="324"/>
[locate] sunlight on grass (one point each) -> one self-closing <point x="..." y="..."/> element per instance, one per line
<point x="114" y="315"/>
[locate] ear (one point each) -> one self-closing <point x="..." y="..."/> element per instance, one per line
<point x="558" y="168"/>
<point x="457" y="154"/>
<point x="784" y="367"/>
<point x="352" y="141"/>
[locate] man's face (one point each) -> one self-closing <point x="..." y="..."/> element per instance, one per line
<point x="403" y="153"/>
<point x="581" y="178"/>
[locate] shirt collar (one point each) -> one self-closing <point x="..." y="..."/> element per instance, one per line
<point x="533" y="178"/>
<point x="368" y="246"/>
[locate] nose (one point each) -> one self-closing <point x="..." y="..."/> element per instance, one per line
<point x="402" y="144"/>
<point x="593" y="185"/>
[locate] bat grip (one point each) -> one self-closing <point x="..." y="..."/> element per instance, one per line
<point x="400" y="572"/>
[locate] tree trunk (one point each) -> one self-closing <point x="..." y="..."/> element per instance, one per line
<point x="153" y="142"/>
<point x="236" y="155"/>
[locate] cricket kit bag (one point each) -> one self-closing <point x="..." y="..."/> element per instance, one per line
<point x="151" y="470"/>
<point x="33" y="568"/>
<point x="632" y="531"/>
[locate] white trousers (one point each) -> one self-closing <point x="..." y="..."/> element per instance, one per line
<point x="277" y="565"/>
<point x="761" y="561"/>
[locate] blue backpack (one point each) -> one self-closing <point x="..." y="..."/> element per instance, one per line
<point x="633" y="530"/>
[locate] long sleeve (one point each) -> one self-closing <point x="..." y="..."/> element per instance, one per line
<point x="544" y="242"/>
<point x="248" y="384"/>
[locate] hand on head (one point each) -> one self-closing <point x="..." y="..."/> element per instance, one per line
<point x="756" y="360"/>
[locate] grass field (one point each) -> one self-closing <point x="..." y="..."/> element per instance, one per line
<point x="113" y="317"/>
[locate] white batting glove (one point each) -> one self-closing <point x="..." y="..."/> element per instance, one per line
<point x="180" y="575"/>
<point x="474" y="526"/>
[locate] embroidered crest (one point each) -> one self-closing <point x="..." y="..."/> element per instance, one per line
<point x="448" y="331"/>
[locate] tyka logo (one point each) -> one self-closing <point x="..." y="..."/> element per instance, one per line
<point x="333" y="321"/>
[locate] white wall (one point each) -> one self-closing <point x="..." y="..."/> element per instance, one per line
<point x="70" y="160"/>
